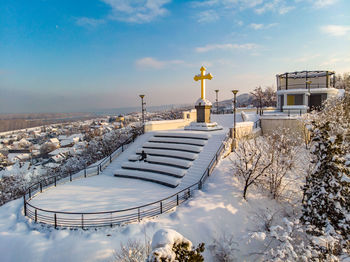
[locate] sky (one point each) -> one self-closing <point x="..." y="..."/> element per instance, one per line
<point x="85" y="55"/>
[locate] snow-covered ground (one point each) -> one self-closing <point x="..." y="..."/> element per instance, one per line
<point x="106" y="192"/>
<point x="216" y="210"/>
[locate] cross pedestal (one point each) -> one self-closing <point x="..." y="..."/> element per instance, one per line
<point x="203" y="113"/>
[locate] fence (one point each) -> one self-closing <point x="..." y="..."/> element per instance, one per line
<point x="109" y="218"/>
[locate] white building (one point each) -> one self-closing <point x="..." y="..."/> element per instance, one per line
<point x="305" y="90"/>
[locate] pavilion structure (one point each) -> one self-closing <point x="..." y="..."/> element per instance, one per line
<point x="303" y="91"/>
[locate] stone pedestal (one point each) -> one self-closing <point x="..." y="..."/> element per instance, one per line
<point x="203" y="113"/>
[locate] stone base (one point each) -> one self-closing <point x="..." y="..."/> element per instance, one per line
<point x="203" y="113"/>
<point x="194" y="126"/>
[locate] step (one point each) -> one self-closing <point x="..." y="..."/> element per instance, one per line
<point x="168" y="153"/>
<point x="149" y="176"/>
<point x="169" y="161"/>
<point x="177" y="140"/>
<point x="183" y="135"/>
<point x="186" y="148"/>
<point x="161" y="169"/>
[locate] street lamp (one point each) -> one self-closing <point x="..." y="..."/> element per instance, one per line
<point x="143" y="111"/>
<point x="308" y="84"/>
<point x="217" y="101"/>
<point x="234" y="117"/>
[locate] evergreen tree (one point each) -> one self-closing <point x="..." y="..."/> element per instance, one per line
<point x="326" y="203"/>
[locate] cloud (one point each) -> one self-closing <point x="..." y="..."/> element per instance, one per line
<point x="324" y="3"/>
<point x="130" y="11"/>
<point x="247" y="46"/>
<point x="150" y="62"/>
<point x="262" y="26"/>
<point x="277" y="6"/>
<point x="89" y="22"/>
<point x="141" y="11"/>
<point x="207" y="16"/>
<point x="335" y="30"/>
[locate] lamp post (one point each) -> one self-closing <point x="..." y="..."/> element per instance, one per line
<point x="308" y="83"/>
<point x="217" y="101"/>
<point x="143" y="112"/>
<point x="234" y="118"/>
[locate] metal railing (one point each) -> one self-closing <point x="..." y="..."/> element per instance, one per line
<point x="109" y="218"/>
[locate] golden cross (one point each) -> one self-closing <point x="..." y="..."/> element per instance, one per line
<point x="203" y="77"/>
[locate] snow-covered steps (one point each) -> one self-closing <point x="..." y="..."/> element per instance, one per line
<point x="177" y="140"/>
<point x="168" y="153"/>
<point x="164" y="161"/>
<point x="161" y="169"/>
<point x="149" y="176"/>
<point x="178" y="147"/>
<point x="183" y="135"/>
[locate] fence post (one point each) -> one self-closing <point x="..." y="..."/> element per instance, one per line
<point x="110" y="158"/>
<point x="200" y="185"/>
<point x="55" y="217"/>
<point x="138" y="215"/>
<point x="98" y="170"/>
<point x="36" y="215"/>
<point x="177" y="199"/>
<point x="41" y="187"/>
<point x="84" y="172"/>
<point x="161" y="207"/>
<point x="82" y="221"/>
<point x="70" y="177"/>
<point x="189" y="192"/>
<point x="55" y="181"/>
<point x="24" y="205"/>
<point x="122" y="147"/>
<point x="30" y="192"/>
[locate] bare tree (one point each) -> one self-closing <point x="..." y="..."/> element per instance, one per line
<point x="252" y="161"/>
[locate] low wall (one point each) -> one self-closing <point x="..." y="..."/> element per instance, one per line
<point x="269" y="124"/>
<point x="166" y="125"/>
<point x="188" y="117"/>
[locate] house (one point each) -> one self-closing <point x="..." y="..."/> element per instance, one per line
<point x="304" y="90"/>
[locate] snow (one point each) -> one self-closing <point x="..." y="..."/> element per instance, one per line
<point x="217" y="209"/>
<point x="183" y="134"/>
<point x="203" y="102"/>
<point x="149" y="176"/>
<point x="188" y="141"/>
<point x="163" y="241"/>
<point x="181" y="147"/>
<point x="173" y="171"/>
<point x="170" y="153"/>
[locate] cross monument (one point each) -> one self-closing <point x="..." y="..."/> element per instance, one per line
<point x="202" y="76"/>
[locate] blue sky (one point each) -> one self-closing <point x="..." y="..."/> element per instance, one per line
<point x="61" y="55"/>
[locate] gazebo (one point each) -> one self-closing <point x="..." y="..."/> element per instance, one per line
<point x="303" y="91"/>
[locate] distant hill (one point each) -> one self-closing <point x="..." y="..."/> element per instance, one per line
<point x="242" y="100"/>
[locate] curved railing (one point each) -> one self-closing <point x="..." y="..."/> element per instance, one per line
<point x="109" y="218"/>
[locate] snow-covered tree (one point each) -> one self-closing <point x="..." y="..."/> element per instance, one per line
<point x="326" y="203"/>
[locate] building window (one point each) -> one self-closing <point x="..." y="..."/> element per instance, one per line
<point x="295" y="100"/>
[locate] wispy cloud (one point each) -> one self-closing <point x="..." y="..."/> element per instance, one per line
<point x="130" y="11"/>
<point x="262" y="26"/>
<point x="153" y="63"/>
<point x="141" y="11"/>
<point x="247" y="46"/>
<point x="278" y="6"/>
<point x="89" y="22"/>
<point x="336" y="30"/>
<point x="324" y="3"/>
<point x="207" y="16"/>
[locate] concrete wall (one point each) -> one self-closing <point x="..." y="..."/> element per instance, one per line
<point x="188" y="117"/>
<point x="270" y="124"/>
